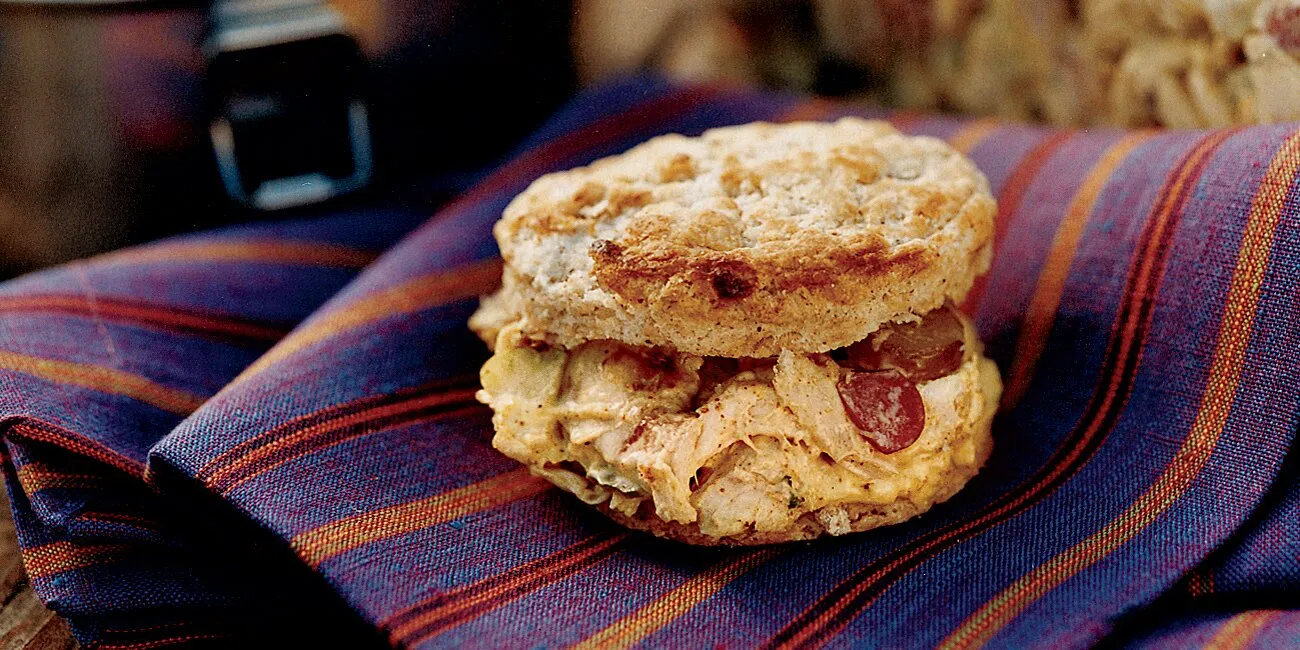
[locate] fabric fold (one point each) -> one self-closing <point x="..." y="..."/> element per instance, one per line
<point x="99" y="360"/>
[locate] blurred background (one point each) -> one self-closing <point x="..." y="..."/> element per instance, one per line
<point x="107" y="109"/>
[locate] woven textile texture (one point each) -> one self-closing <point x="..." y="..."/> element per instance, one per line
<point x="270" y="433"/>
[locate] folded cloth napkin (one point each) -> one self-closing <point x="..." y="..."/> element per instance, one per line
<point x="238" y="438"/>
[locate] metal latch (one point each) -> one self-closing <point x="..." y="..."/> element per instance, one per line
<point x="289" y="122"/>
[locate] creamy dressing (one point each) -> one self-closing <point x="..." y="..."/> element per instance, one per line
<point x="753" y="450"/>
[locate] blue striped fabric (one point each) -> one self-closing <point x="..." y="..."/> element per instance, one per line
<point x="269" y="434"/>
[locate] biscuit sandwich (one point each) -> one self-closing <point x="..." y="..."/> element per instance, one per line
<point x="749" y="336"/>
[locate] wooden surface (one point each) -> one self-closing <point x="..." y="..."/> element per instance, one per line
<point x="24" y="621"/>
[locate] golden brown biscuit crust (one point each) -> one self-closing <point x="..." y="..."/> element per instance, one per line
<point x="734" y="243"/>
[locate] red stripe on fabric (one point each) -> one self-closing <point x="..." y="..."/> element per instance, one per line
<point x="838" y="607"/>
<point x="324" y="542"/>
<point x="435" y="289"/>
<point x="183" y="640"/>
<point x="305" y="443"/>
<point x="138" y="313"/>
<point x="201" y="626"/>
<point x="272" y="251"/>
<point x="123" y="518"/>
<point x="234" y="454"/>
<point x="37" y="431"/>
<point x="445" y="610"/>
<point x="653" y="616"/>
<point x="403" y="619"/>
<point x="1009" y="200"/>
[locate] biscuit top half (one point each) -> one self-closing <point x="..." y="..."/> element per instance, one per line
<point x="747" y="240"/>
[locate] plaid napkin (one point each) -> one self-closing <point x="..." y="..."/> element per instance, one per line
<point x="243" y="437"/>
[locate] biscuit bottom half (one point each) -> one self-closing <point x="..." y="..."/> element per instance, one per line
<point x="709" y="450"/>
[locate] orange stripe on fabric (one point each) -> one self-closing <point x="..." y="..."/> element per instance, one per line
<point x="35" y="477"/>
<point x="317" y="545"/>
<point x="141" y="314"/>
<point x="1009" y="198"/>
<point x="1216" y="402"/>
<point x="457" y="601"/>
<point x="58" y="557"/>
<point x="1239" y="631"/>
<point x="270" y="251"/>
<point x="104" y="380"/>
<point x="421" y="293"/>
<point x="633" y="628"/>
<point x="332" y="412"/>
<point x="220" y="478"/>
<point x="1051" y="280"/>
<point x="972" y="134"/>
<point x="46" y="433"/>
